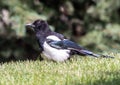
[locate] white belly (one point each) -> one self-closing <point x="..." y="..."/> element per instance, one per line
<point x="55" y="54"/>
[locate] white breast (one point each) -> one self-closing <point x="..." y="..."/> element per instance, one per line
<point x="53" y="53"/>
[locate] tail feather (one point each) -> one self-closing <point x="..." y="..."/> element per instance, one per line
<point x="86" y="52"/>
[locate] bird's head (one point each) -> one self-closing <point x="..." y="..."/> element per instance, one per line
<point x="38" y="25"/>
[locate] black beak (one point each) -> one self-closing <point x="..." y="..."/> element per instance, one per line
<point x="30" y="26"/>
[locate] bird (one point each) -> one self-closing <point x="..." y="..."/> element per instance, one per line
<point x="54" y="46"/>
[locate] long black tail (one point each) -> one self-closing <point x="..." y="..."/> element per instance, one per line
<point x="86" y="52"/>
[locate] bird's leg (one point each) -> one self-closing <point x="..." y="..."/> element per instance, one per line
<point x="40" y="57"/>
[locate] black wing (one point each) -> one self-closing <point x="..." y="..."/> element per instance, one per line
<point x="67" y="44"/>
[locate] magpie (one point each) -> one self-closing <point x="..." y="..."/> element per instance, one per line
<point x="54" y="45"/>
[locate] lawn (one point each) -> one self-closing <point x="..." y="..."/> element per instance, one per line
<point x="77" y="71"/>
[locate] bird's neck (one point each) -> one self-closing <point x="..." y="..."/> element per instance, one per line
<point x="42" y="34"/>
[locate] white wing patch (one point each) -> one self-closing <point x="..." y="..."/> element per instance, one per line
<point x="52" y="37"/>
<point x="53" y="53"/>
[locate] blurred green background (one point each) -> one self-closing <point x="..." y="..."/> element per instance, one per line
<point x="95" y="24"/>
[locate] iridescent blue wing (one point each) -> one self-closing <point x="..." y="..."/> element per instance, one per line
<point x="69" y="45"/>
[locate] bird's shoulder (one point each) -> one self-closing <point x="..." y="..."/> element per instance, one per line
<point x="62" y="37"/>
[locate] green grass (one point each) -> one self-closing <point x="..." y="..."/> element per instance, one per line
<point x="77" y="71"/>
